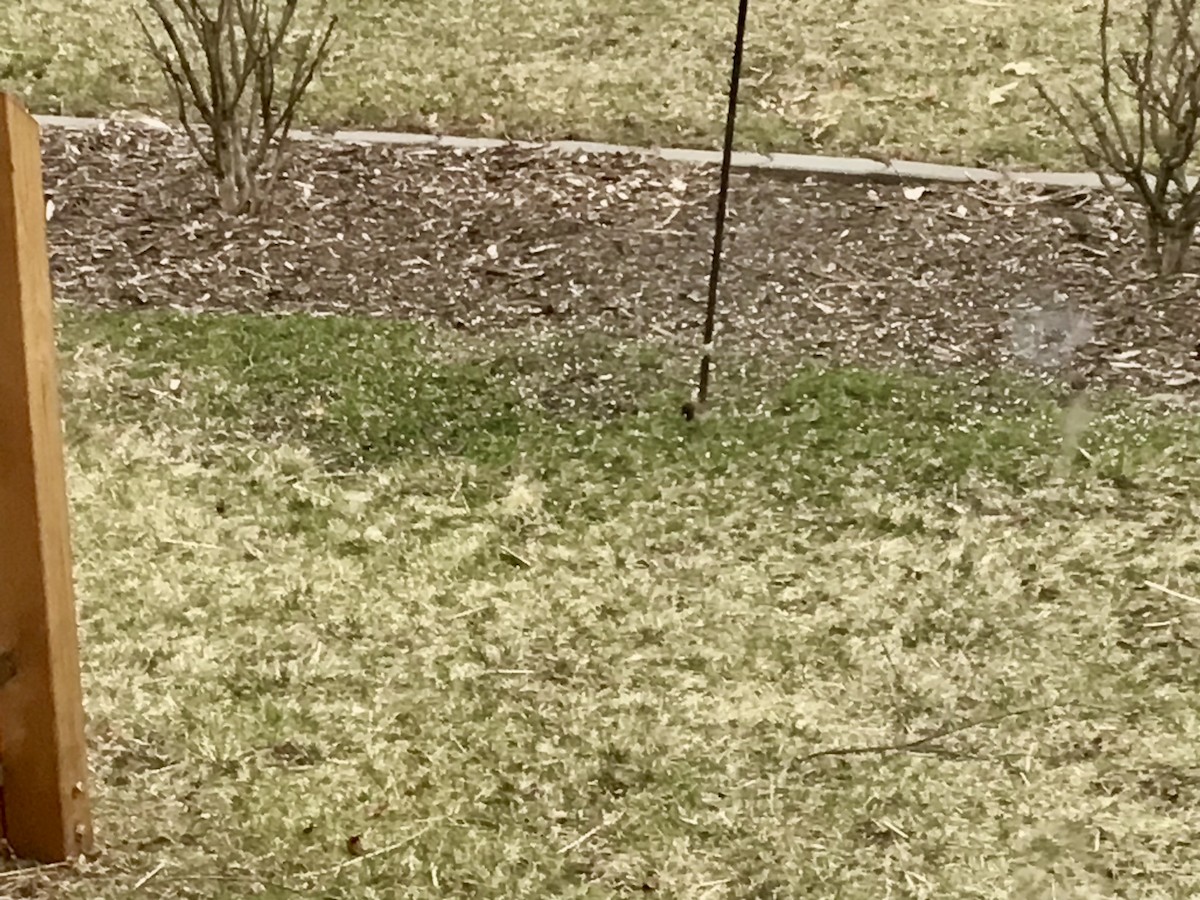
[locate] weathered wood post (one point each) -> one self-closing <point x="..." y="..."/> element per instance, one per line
<point x="44" y="800"/>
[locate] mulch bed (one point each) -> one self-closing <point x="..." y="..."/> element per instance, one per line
<point x="517" y="239"/>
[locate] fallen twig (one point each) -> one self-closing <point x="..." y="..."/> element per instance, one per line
<point x="1172" y="593"/>
<point x="667" y="221"/>
<point x="588" y="835"/>
<point x="920" y="742"/>
<point x="390" y="848"/>
<point x="145" y="879"/>
<point x="1033" y="198"/>
<point x="516" y="559"/>
<point x="32" y="870"/>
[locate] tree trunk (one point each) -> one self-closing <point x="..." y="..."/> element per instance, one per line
<point x="236" y="185"/>
<point x="1177" y="242"/>
<point x="1168" y="247"/>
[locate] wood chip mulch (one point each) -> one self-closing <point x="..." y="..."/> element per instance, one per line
<point x="936" y="278"/>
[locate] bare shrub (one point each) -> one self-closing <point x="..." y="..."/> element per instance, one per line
<point x="238" y="73"/>
<point x="1142" y="128"/>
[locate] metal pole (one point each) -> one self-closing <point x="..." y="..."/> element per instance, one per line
<point x="714" y="276"/>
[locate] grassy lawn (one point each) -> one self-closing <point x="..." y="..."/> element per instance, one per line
<point x="488" y="613"/>
<point x="922" y="80"/>
<point x="345" y="578"/>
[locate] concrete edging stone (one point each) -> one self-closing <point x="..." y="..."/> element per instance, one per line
<point x="793" y="164"/>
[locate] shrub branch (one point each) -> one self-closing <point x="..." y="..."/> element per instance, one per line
<point x="1144" y="155"/>
<point x="221" y="60"/>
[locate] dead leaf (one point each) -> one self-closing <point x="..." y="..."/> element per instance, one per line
<point x="998" y="95"/>
<point x="1022" y="69"/>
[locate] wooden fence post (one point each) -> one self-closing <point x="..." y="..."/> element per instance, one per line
<point x="44" y="802"/>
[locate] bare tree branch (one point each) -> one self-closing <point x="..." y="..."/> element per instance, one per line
<point x="1151" y="146"/>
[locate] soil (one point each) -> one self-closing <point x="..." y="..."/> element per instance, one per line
<point x="936" y="278"/>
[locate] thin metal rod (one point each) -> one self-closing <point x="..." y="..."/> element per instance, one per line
<point x="714" y="275"/>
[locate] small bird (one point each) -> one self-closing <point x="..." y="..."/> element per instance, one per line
<point x="354" y="845"/>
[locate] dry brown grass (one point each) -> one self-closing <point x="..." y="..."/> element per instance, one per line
<point x="600" y="659"/>
<point x="928" y="80"/>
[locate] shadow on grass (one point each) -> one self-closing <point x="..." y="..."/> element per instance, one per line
<point x="362" y="393"/>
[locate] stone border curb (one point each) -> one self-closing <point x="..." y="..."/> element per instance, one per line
<point x="786" y="164"/>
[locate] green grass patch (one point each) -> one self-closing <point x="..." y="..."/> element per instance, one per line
<point x="918" y="80"/>
<point x="588" y="655"/>
<point x="360" y="393"/>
